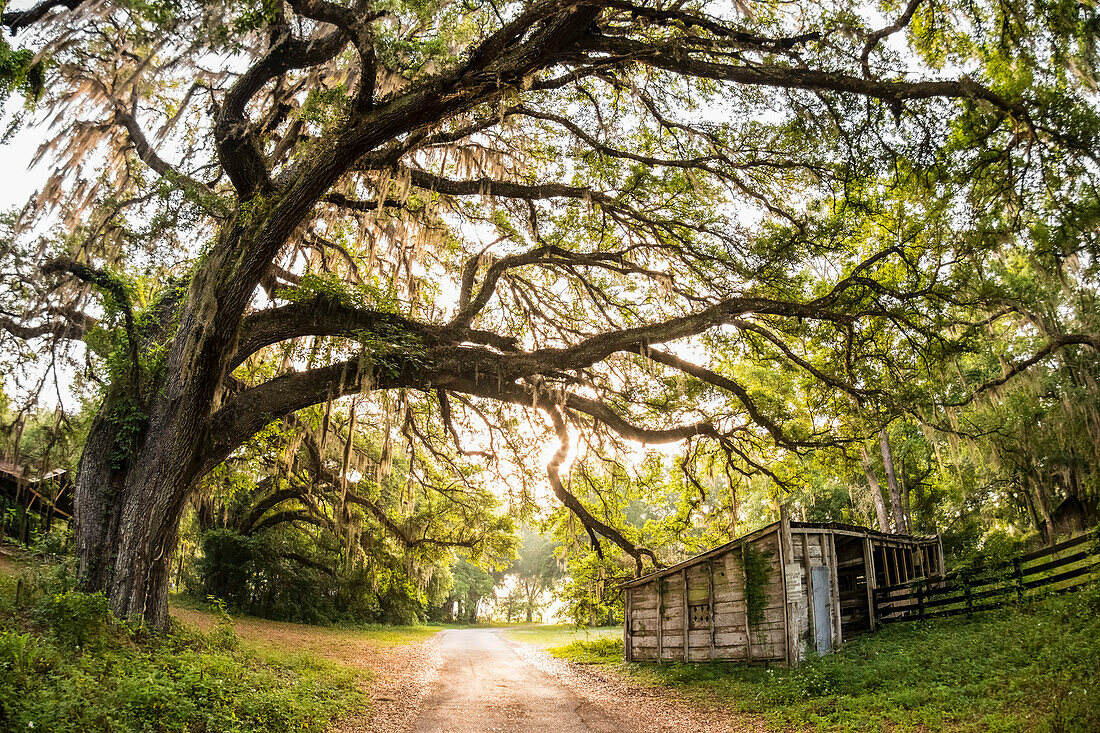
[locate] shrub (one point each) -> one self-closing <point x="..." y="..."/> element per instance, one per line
<point x="75" y="618"/>
<point x="180" y="682"/>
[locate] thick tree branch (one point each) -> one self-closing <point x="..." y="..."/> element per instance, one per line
<point x="1057" y="342"/>
<point x="322" y="316"/>
<point x="17" y="20"/>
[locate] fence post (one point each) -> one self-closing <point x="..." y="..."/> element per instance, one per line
<point x="967" y="592"/>
<point x="1018" y="574"/>
<point x="920" y="601"/>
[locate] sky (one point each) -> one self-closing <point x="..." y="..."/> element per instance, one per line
<point x="17" y="183"/>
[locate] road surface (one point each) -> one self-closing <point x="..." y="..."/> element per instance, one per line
<point x="483" y="686"/>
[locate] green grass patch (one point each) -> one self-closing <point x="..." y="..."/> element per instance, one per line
<point x="329" y="641"/>
<point x="1035" y="668"/>
<point x="557" y="635"/>
<point x="591" y="651"/>
<point x="67" y="666"/>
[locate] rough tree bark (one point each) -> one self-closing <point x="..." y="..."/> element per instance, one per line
<point x="897" y="501"/>
<point x="876" y="492"/>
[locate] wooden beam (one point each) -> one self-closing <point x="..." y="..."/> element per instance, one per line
<point x="869" y="573"/>
<point x="687" y="619"/>
<point x="838" y="631"/>
<point x="627" y="631"/>
<point x="660" y="619"/>
<point x="786" y="556"/>
<point x="811" y="619"/>
<point x="745" y="598"/>
<point x="710" y="603"/>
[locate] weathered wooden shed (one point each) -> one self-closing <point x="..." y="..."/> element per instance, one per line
<point x="773" y="596"/>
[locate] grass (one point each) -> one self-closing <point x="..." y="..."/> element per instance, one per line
<point x="556" y="635"/>
<point x="67" y="666"/>
<point x="349" y="645"/>
<point x="1036" y="668"/>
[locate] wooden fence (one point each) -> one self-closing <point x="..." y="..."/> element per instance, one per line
<point x="1059" y="568"/>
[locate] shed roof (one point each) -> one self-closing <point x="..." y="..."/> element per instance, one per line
<point x="835" y="527"/>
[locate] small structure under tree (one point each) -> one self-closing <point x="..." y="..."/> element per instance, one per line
<point x="776" y="595"/>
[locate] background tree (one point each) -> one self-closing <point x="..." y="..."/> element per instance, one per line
<point x="537" y="570"/>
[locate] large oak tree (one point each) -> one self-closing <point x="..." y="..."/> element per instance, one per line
<point x="579" y="208"/>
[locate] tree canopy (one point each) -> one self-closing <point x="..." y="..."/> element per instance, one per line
<point x="754" y="229"/>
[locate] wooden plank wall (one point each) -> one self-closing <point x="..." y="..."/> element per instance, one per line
<point x="660" y="614"/>
<point x="698" y="612"/>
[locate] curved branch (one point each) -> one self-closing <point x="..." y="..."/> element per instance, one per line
<point x="719" y="380"/>
<point x="149" y="155"/>
<point x="571" y="502"/>
<point x="74" y="325"/>
<point x="322" y="316"/>
<point x="874" y="39"/>
<point x="283" y="517"/>
<point x="1056" y="343"/>
<point x="238" y="151"/>
<point x="678" y="59"/>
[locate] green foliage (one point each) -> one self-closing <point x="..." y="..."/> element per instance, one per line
<point x="1035" y="668"/>
<point x="253" y="574"/>
<point x="314" y="286"/>
<point x="590" y="593"/>
<point x="757" y="572"/>
<point x="537" y="570"/>
<point x="129" y="420"/>
<point x="224" y="635"/>
<point x="20" y="71"/>
<point x="470" y="584"/>
<point x="75" y="618"/>
<point x="182" y="681"/>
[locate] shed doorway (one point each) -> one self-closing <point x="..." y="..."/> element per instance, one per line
<point x="851" y="572"/>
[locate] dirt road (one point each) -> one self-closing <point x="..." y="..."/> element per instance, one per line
<point x="481" y="681"/>
<point x="483" y="685"/>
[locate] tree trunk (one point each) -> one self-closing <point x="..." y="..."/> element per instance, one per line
<point x="1029" y="503"/>
<point x="901" y="520"/>
<point x="127" y="522"/>
<point x="876" y="492"/>
<point x="133" y="485"/>
<point x="1046" y="527"/>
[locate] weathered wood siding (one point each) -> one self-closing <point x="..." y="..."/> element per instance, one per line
<point x="714" y="616"/>
<point x="696" y="611"/>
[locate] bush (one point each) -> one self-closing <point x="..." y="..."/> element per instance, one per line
<point x="258" y="575"/>
<point x="183" y="681"/>
<point x="75" y="618"/>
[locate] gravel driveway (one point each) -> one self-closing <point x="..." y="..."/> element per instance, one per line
<point x="483" y="685"/>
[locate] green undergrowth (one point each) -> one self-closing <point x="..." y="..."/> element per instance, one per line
<point x="66" y="666"/>
<point x="265" y="632"/>
<point x="1034" y="668"/>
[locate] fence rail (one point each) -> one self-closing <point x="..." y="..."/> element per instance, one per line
<point x="1059" y="568"/>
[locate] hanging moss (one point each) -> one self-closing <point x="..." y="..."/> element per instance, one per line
<point x="756" y="583"/>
